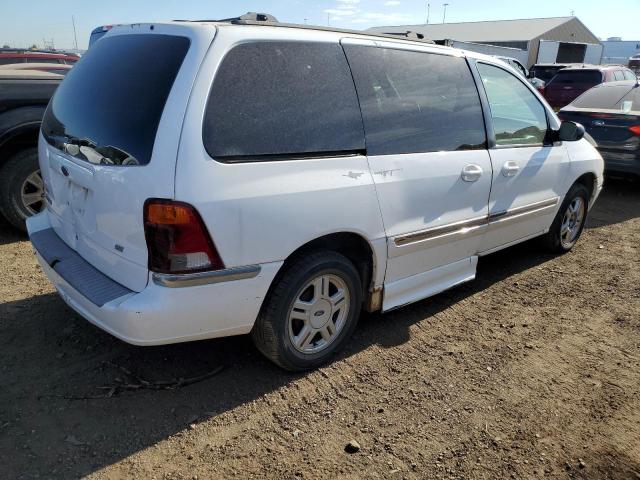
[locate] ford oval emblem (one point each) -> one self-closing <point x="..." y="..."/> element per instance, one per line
<point x="64" y="171"/>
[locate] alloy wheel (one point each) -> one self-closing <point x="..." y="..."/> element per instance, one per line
<point x="318" y="313"/>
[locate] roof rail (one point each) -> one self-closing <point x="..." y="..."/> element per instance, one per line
<point x="409" y="34"/>
<point x="253" y="18"/>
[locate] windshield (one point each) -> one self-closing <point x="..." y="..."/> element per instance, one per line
<point x="545" y="73"/>
<point x="108" y="108"/>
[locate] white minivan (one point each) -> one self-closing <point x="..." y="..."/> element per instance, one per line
<point x="214" y="178"/>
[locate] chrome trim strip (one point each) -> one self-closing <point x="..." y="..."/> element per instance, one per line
<point x="458" y="227"/>
<point x="526" y="209"/>
<point x="206" y="278"/>
<point x="467" y="226"/>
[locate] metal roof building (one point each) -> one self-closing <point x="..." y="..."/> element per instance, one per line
<point x="562" y="39"/>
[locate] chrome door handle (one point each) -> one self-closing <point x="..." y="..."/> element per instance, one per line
<point x="510" y="169"/>
<point x="471" y="173"/>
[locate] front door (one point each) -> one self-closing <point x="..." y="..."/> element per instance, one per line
<point x="529" y="173"/>
<point x="426" y="146"/>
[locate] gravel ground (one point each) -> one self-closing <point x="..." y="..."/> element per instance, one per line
<point x="532" y="370"/>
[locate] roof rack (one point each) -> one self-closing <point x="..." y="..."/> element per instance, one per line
<point x="253" y="18"/>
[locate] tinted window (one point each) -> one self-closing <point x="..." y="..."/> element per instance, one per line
<point x="43" y="60"/>
<point x="610" y="98"/>
<point x="416" y="102"/>
<point x="111" y="102"/>
<point x="589" y="77"/>
<point x="545" y="73"/>
<point x="629" y="75"/>
<point x="618" y="75"/>
<point x="518" y="116"/>
<point x="282" y="98"/>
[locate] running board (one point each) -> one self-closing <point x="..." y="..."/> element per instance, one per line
<point x="417" y="287"/>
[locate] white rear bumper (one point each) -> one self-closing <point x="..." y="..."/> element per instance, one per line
<point x="160" y="315"/>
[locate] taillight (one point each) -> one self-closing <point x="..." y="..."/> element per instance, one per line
<point x="177" y="239"/>
<point x="541" y="90"/>
<point x="635" y="129"/>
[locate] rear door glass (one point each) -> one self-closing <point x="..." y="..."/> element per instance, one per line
<point x="109" y="106"/>
<point x="416" y="101"/>
<point x="275" y="99"/>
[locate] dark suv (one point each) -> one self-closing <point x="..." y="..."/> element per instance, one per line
<point x="571" y="82"/>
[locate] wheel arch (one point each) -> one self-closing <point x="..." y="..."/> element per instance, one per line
<point x="353" y="246"/>
<point x="19" y="129"/>
<point x="589" y="181"/>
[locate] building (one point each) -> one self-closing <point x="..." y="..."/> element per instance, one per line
<point x="545" y="40"/>
<point x="618" y="51"/>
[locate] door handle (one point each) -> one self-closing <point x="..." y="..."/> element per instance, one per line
<point x="510" y="169"/>
<point x="471" y="173"/>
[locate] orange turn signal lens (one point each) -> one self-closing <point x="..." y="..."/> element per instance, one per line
<point x="166" y="214"/>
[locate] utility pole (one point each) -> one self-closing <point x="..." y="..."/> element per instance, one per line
<point x="428" y="12"/>
<point x="328" y="22"/>
<point x="75" y="36"/>
<point x="444" y="15"/>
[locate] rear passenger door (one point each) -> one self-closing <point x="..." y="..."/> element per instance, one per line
<point x="529" y="172"/>
<point x="427" y="151"/>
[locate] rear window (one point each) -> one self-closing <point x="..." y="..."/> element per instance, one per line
<point x="416" y="102"/>
<point x="567" y="77"/>
<point x="282" y="99"/>
<point x="618" y="97"/>
<point x="545" y="73"/>
<point x="111" y="102"/>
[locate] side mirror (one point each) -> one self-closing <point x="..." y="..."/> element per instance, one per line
<point x="570" y="132"/>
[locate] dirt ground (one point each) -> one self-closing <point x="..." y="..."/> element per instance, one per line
<point x="532" y="370"/>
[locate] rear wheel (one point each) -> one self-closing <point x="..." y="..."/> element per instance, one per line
<point x="569" y="222"/>
<point x="311" y="311"/>
<point x="21" y="188"/>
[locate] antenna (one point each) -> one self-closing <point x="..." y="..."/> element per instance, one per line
<point x="75" y="36"/>
<point x="444" y="15"/>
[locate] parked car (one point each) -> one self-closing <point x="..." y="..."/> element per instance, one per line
<point x="275" y="180"/>
<point x="546" y="71"/>
<point x="24" y="95"/>
<point x="634" y="64"/>
<point x="59" y="69"/>
<point x="11" y="57"/>
<point x="610" y="113"/>
<point x="571" y="82"/>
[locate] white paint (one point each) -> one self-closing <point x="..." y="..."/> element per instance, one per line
<point x="260" y="213"/>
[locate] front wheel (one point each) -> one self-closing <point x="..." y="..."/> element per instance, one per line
<point x="311" y="311"/>
<point x="569" y="222"/>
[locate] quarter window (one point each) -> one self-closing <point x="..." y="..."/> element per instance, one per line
<point x="518" y="116"/>
<point x="415" y="101"/>
<point x="282" y="98"/>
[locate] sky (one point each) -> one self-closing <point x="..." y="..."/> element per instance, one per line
<point x="27" y="22"/>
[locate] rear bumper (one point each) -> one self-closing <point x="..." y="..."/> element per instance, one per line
<point x="160" y="315"/>
<point x="621" y="161"/>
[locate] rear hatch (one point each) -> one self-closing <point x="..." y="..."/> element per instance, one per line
<point x="109" y="141"/>
<point x="568" y="85"/>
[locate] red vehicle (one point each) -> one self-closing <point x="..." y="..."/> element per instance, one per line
<point x="10" y="57"/>
<point x="571" y="82"/>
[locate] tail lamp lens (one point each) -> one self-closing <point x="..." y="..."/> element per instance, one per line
<point x="635" y="129"/>
<point x="177" y="239"/>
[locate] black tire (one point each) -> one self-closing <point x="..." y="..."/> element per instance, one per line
<point x="271" y="331"/>
<point x="13" y="174"/>
<point x="552" y="240"/>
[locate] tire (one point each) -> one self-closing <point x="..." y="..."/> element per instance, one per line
<point x="299" y="339"/>
<point x="19" y="172"/>
<point x="558" y="239"/>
